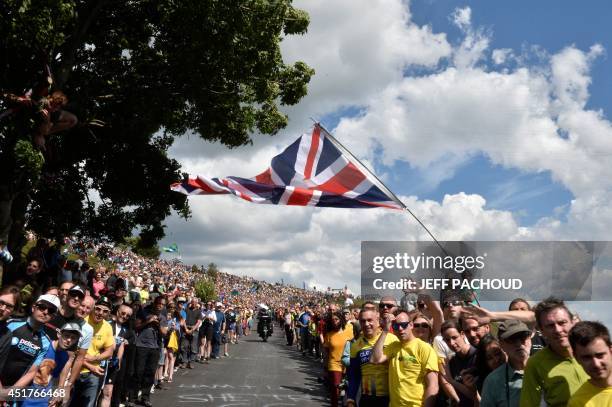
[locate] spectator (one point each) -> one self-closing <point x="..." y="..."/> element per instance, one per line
<point x="590" y="343"/>
<point x="552" y="374"/>
<point x="29" y="343"/>
<point x="474" y="330"/>
<point x="189" y="338"/>
<point x="100" y="351"/>
<point x="502" y="388"/>
<point x="371" y="380"/>
<point x="218" y="327"/>
<point x="461" y="370"/>
<point x="9" y="299"/>
<point x="97" y="284"/>
<point x="335" y="339"/>
<point x="407" y="386"/>
<point x="175" y="324"/>
<point x="151" y="324"/>
<point x="123" y="329"/>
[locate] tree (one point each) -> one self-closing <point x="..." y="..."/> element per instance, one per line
<point x="212" y="271"/>
<point x="138" y="74"/>
<point x="205" y="289"/>
<point x="136" y="245"/>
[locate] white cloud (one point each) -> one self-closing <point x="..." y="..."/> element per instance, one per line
<point x="462" y="17"/>
<point x="436" y="122"/>
<point x="502" y="55"/>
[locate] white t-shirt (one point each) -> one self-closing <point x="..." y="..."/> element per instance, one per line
<point x="442" y="348"/>
<point x="86" y="335"/>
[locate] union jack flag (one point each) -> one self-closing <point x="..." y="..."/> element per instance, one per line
<point x="313" y="171"/>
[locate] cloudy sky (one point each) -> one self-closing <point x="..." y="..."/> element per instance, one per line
<point x="490" y="120"/>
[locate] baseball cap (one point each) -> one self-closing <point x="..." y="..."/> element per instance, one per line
<point x="104" y="301"/>
<point x="181" y="299"/>
<point x="218" y="304"/>
<point x="72" y="326"/>
<point x="511" y="327"/>
<point x="51" y="299"/>
<point x="77" y="289"/>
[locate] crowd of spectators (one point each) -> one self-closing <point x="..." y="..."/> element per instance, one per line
<point x="108" y="327"/>
<point x="112" y="333"/>
<point x="455" y="353"/>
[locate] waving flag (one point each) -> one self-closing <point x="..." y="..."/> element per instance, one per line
<point x="313" y="171"/>
<point x="173" y="248"/>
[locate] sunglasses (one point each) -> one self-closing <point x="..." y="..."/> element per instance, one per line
<point x="51" y="309"/>
<point x="452" y="303"/>
<point x="7" y="305"/>
<point x="102" y="310"/>
<point x="77" y="294"/>
<point x="423" y="325"/>
<point x="397" y="325"/>
<point x="386" y="305"/>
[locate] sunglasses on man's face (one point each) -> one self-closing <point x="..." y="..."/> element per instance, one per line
<point x="102" y="310"/>
<point x="397" y="325"/>
<point x="386" y="305"/>
<point x="7" y="305"/>
<point x="452" y="304"/>
<point x="76" y="294"/>
<point x="51" y="309"/>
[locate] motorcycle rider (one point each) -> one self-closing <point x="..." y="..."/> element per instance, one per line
<point x="264" y="317"/>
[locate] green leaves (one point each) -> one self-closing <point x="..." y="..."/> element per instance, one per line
<point x="145" y="71"/>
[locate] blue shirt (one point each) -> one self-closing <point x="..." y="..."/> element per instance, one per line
<point x="501" y="386"/>
<point x="28" y="348"/>
<point x="220" y="319"/>
<point x="304" y="319"/>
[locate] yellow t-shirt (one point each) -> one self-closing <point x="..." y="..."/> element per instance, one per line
<point x="335" y="341"/>
<point x="589" y="395"/>
<point x="374" y="378"/>
<point x="409" y="363"/>
<point x="551" y="377"/>
<point x="102" y="339"/>
<point x="144" y="296"/>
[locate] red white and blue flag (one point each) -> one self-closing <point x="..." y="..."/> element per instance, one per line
<point x="313" y="171"/>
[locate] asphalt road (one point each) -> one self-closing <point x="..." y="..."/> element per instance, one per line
<point x="255" y="374"/>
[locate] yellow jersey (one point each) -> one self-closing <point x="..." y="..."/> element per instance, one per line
<point x="102" y="339"/>
<point x="409" y="363"/>
<point x="374" y="378"/>
<point x="589" y="395"/>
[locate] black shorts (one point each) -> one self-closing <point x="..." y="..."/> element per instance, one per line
<point x="206" y="331"/>
<point x="111" y="374"/>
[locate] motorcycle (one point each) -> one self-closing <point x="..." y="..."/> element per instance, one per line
<point x="264" y="327"/>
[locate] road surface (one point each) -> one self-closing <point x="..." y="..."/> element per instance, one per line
<point x="255" y="374"/>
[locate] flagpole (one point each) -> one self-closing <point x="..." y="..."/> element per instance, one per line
<point x="382" y="186"/>
<point x="378" y="182"/>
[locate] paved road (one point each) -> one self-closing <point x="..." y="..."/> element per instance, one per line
<point x="255" y="374"/>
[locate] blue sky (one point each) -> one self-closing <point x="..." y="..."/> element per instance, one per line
<point x="520" y="25"/>
<point x="550" y="24"/>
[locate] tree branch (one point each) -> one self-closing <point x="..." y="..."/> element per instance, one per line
<point x="76" y="39"/>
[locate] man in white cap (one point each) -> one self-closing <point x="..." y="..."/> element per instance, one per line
<point x="55" y="367"/>
<point x="29" y="343"/>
